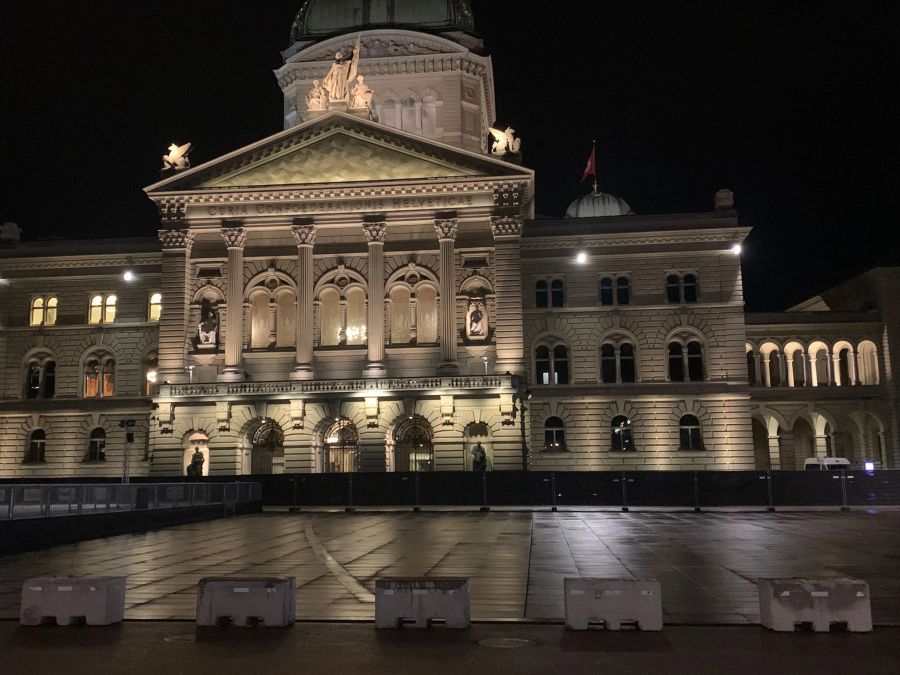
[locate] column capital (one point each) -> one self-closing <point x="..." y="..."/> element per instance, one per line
<point x="304" y="235"/>
<point x="375" y="232"/>
<point x="235" y="237"/>
<point x="446" y="228"/>
<point x="506" y="226"/>
<point x="176" y="240"/>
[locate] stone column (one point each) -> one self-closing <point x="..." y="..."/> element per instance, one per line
<point x="446" y="231"/>
<point x="305" y="236"/>
<point x="235" y="238"/>
<point x="508" y="332"/>
<point x="836" y="369"/>
<point x="175" y="289"/>
<point x="375" y="233"/>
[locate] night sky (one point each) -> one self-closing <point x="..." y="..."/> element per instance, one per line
<point x="794" y="107"/>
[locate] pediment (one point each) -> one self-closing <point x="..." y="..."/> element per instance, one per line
<point x="336" y="148"/>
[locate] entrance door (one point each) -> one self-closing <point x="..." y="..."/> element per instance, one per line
<point x="414" y="450"/>
<point x="267" y="455"/>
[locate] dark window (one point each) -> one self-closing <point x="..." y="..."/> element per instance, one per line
<point x="554" y="435"/>
<point x="607" y="364"/>
<point x="621" y="434"/>
<point x="96" y="451"/>
<point x="542" y="365"/>
<point x="606" y="291"/>
<point x="844" y="367"/>
<point x="676" y="362"/>
<point x="541" y="294"/>
<point x="623" y="291"/>
<point x="689" y="432"/>
<point x="50" y="379"/>
<point x="690" y="288"/>
<point x="751" y="368"/>
<point x="673" y="288"/>
<point x="695" y="362"/>
<point x="561" y="364"/>
<point x="775" y="368"/>
<point x="557" y="293"/>
<point x="36" y="445"/>
<point x="33" y="381"/>
<point x="627" y="368"/>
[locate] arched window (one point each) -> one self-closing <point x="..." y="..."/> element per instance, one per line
<point x="33" y="381"/>
<point x="819" y="364"/>
<point x="775" y="368"/>
<point x="102" y="309"/>
<point x="608" y="364"/>
<point x="356" y="316"/>
<point x="267" y="453"/>
<point x="40" y="378"/>
<point x="259" y="321"/>
<point x="37" y="312"/>
<point x="673" y="288"/>
<point x="330" y="317"/>
<point x="34" y="453"/>
<point x="844" y="368"/>
<point x="109" y="309"/>
<point x="868" y="363"/>
<point x="621" y="434"/>
<point x="606" y="292"/>
<point x="676" y="362"/>
<point x="409" y="116"/>
<point x="341" y="448"/>
<point x="751" y="367"/>
<point x="689" y="288"/>
<point x="695" y="361"/>
<point x="50" y="316"/>
<point x="627" y="367"/>
<point x="541" y="294"/>
<point x="400" y="316"/>
<point x="95" y="310"/>
<point x="554" y="435"/>
<point x="96" y="451"/>
<point x="690" y="434"/>
<point x="623" y="291"/>
<point x="429" y="116"/>
<point x="557" y="293"/>
<point x="100" y="375"/>
<point x="390" y="113"/>
<point x="426" y="315"/>
<point x="285" y="319"/>
<point x="154" y="306"/>
<point x="413" y="448"/>
<point x="551" y="364"/>
<point x="49" y="381"/>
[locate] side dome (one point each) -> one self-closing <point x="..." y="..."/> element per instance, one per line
<point x="598" y="205"/>
<point x="318" y="18"/>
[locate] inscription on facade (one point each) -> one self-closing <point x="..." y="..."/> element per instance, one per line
<point x="299" y="208"/>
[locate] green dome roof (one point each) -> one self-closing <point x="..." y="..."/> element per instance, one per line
<point x="598" y="205"/>
<point x="318" y="18"/>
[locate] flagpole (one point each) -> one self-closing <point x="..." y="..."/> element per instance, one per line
<point x="594" y="157"/>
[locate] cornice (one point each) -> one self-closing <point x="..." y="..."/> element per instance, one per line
<point x="73" y="262"/>
<point x="595" y="240"/>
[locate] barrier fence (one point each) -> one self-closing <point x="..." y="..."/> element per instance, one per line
<point x="20" y="501"/>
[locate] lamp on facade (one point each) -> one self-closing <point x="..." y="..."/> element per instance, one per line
<point x="736" y="249"/>
<point x="581" y="257"/>
<point x="128" y="275"/>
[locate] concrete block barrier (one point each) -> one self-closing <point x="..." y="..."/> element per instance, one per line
<point x="612" y="602"/>
<point x="266" y="600"/>
<point x="422" y="601"/>
<point x="784" y="603"/>
<point x="95" y="601"/>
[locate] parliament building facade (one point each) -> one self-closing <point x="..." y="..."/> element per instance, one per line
<point x="370" y="290"/>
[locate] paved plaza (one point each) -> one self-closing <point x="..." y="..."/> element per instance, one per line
<point x="516" y="559"/>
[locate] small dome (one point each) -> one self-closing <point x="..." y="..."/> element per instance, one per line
<point x="598" y="205"/>
<point x="318" y="18"/>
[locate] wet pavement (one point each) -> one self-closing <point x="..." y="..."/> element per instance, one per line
<point x="516" y="560"/>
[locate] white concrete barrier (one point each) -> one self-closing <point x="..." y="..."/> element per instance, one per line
<point x="613" y="602"/>
<point x="422" y="601"/>
<point x="783" y="603"/>
<point x="267" y="600"/>
<point x="97" y="601"/>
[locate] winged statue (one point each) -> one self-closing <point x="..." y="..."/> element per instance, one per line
<point x="505" y="142"/>
<point x="177" y="157"/>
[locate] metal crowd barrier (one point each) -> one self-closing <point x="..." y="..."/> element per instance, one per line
<point x="45" y="501"/>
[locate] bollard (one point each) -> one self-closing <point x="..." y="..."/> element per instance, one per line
<point x="422" y="600"/>
<point x="96" y="601"/>
<point x="783" y="603"/>
<point x="612" y="602"/>
<point x="267" y="600"/>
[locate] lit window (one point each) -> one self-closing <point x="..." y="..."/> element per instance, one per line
<point x="691" y="437"/>
<point x="154" y="310"/>
<point x="37" y="312"/>
<point x="95" y="311"/>
<point x="100" y="376"/>
<point x="554" y="435"/>
<point x="621" y="434"/>
<point x="109" y="309"/>
<point x="50" y="318"/>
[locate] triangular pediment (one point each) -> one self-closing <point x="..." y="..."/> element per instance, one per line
<point x="336" y="148"/>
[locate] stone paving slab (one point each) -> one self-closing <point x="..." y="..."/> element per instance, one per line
<point x="706" y="562"/>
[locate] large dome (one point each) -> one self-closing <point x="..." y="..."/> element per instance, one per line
<point x="598" y="205"/>
<point x="318" y="18"/>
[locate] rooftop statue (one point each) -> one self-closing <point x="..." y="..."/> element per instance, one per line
<point x="317" y="97"/>
<point x="360" y="95"/>
<point x="505" y="142"/>
<point x="177" y="157"/>
<point x="343" y="71"/>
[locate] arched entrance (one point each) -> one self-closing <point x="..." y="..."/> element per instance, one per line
<point x="473" y="434"/>
<point x="340" y="451"/>
<point x="267" y="449"/>
<point x="413" y="448"/>
<point x="761" y="445"/>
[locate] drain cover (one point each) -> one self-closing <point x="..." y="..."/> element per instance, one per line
<point x="183" y="637"/>
<point x="507" y="643"/>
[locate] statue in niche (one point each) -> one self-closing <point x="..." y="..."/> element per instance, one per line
<point x="361" y="95"/>
<point x="195" y="468"/>
<point x="479" y="458"/>
<point x="343" y="71"/>
<point x="208" y="328"/>
<point x="476" y="324"/>
<point x="317" y="97"/>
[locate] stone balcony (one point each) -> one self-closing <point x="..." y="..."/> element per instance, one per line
<point x="354" y="388"/>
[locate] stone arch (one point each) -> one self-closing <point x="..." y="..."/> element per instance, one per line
<point x="868" y="366"/>
<point x="688" y="321"/>
<point x="871" y="445"/>
<point x="413" y="441"/>
<point x="615" y="409"/>
<point x="264" y="281"/>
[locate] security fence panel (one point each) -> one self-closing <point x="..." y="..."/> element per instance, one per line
<point x="384" y="489"/>
<point x="507" y="488"/>
<point x="325" y="489"/>
<point x="873" y="488"/>
<point x="450" y="488"/>
<point x="806" y="488"/>
<point x="733" y="488"/>
<point x="588" y="488"/>
<point x="659" y="488"/>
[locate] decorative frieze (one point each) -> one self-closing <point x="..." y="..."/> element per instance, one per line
<point x="172" y="240"/>
<point x="506" y="226"/>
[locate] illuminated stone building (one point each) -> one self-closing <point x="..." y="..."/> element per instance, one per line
<point x="369" y="290"/>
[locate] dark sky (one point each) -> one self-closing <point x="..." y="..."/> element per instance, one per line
<point x="793" y="105"/>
